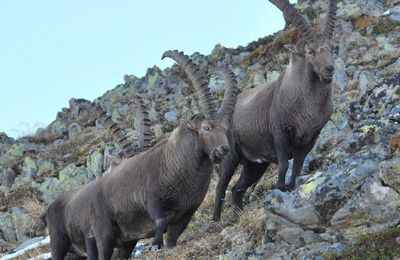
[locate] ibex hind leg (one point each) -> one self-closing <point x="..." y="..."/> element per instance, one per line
<point x="124" y="251"/>
<point x="226" y="171"/>
<point x="156" y="212"/>
<point x="175" y="229"/>
<point x="250" y="174"/>
<point x="104" y="233"/>
<point x="59" y="245"/>
<point x="91" y="248"/>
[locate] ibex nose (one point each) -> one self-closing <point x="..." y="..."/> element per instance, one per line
<point x="225" y="149"/>
<point x="329" y="68"/>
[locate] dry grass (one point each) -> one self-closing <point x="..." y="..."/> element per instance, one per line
<point x="17" y="197"/>
<point x="35" y="210"/>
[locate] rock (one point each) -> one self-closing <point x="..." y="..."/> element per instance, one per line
<point x="372" y="209"/>
<point x="285" y="205"/>
<point x="74" y="130"/>
<point x="29" y="167"/>
<point x="352" y="8"/>
<point x="5" y="142"/>
<point x="20" y="222"/>
<point x="71" y="177"/>
<point x="95" y="162"/>
<point x="27" y="243"/>
<point x="44" y="167"/>
<point x="216" y="82"/>
<point x="68" y="178"/>
<point x="7" y="177"/>
<point x="292" y="235"/>
<point x="340" y="77"/>
<point x="390" y="173"/>
<point x="7" y="230"/>
<point x="59" y="126"/>
<point x="50" y="189"/>
<point x="171" y="116"/>
<point x="256" y="75"/>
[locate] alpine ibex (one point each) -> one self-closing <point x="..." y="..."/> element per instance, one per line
<point x="151" y="193"/>
<point x="280" y="120"/>
<point x="58" y="222"/>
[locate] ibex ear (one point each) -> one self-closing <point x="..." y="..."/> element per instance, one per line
<point x="187" y="124"/>
<point x="293" y="49"/>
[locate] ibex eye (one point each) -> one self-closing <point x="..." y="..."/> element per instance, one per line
<point x="206" y="128"/>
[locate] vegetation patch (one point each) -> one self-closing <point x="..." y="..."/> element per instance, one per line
<point x="383" y="245"/>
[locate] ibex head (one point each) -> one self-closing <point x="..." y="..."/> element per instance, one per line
<point x="314" y="48"/>
<point x="211" y="125"/>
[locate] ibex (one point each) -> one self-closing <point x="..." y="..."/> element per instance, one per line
<point x="151" y="193"/>
<point x="62" y="215"/>
<point x="281" y="120"/>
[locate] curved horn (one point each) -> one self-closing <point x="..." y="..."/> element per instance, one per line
<point x="230" y="94"/>
<point x="328" y="26"/>
<point x="115" y="129"/>
<point x="296" y="18"/>
<point x="145" y="134"/>
<point x="199" y="82"/>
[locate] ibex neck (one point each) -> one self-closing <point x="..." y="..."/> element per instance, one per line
<point x="184" y="153"/>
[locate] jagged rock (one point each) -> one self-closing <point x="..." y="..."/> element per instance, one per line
<point x="390" y="173"/>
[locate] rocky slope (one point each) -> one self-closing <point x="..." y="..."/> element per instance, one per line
<point x="347" y="203"/>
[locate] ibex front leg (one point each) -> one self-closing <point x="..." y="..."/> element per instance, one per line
<point x="156" y="213"/>
<point x="281" y="148"/>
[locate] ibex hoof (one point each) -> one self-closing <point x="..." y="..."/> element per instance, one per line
<point x="156" y="247"/>
<point x="281" y="187"/>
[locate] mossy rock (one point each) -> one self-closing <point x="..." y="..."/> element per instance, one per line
<point x="381" y="245"/>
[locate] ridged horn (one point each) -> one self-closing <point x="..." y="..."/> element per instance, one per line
<point x="198" y="80"/>
<point x="128" y="149"/>
<point x="136" y="105"/>
<point x="296" y="18"/>
<point x="230" y="93"/>
<point x="328" y="26"/>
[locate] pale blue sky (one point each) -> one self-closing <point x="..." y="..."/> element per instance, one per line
<point x="54" y="50"/>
